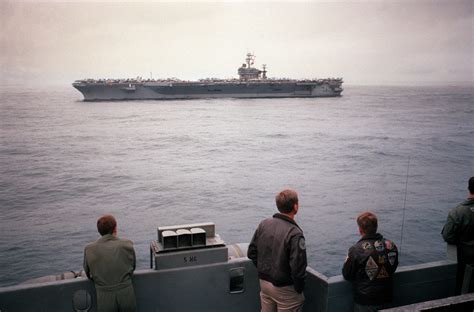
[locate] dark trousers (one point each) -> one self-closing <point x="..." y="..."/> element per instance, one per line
<point x="366" y="308"/>
<point x="465" y="257"/>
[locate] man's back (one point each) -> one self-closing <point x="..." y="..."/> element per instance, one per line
<point x="459" y="227"/>
<point x="278" y="251"/>
<point x="110" y="261"/>
<point x="371" y="263"/>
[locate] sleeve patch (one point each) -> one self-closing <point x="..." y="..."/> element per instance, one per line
<point x="392" y="256"/>
<point x="302" y="243"/>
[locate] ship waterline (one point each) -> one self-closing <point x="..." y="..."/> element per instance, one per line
<point x="97" y="91"/>
<point x="252" y="83"/>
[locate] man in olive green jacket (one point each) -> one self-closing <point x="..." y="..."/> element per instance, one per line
<point x="109" y="262"/>
<point x="459" y="230"/>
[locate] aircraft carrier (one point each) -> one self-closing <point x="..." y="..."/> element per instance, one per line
<point x="252" y="83"/>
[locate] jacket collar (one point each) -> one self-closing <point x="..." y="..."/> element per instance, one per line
<point x="375" y="236"/>
<point x="107" y="237"/>
<point x="468" y="202"/>
<point x="286" y="218"/>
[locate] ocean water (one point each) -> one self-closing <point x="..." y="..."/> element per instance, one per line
<point x="64" y="163"/>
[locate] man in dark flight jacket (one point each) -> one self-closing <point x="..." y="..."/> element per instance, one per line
<point x="459" y="230"/>
<point x="278" y="250"/>
<point x="370" y="265"/>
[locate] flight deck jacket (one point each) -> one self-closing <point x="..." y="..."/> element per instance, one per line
<point x="278" y="251"/>
<point x="370" y="265"/>
<point x="459" y="230"/>
<point x="109" y="262"/>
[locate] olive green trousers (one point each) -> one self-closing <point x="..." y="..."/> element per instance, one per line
<point x="122" y="300"/>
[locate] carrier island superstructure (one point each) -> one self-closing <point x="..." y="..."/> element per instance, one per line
<point x="252" y="83"/>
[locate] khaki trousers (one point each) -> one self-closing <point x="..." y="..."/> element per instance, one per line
<point x="280" y="299"/>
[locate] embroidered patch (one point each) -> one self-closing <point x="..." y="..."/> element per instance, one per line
<point x="388" y="245"/>
<point x="379" y="246"/>
<point x="367" y="246"/>
<point x="371" y="268"/>
<point x="382" y="273"/>
<point x="392" y="256"/>
<point x="381" y="260"/>
<point x="302" y="243"/>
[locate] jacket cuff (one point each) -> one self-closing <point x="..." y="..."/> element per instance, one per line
<point x="299" y="286"/>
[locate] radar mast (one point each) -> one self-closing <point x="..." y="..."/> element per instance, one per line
<point x="247" y="72"/>
<point x="250" y="59"/>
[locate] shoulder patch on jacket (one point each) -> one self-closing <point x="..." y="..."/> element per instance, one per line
<point x="367" y="246"/>
<point x="302" y="243"/>
<point x="379" y="246"/>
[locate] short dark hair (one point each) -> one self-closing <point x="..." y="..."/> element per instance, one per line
<point x="367" y="221"/>
<point x="106" y="224"/>
<point x="286" y="200"/>
<point x="471" y="185"/>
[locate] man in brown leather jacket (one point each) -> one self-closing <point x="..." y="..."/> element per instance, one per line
<point x="109" y="262"/>
<point x="278" y="250"/>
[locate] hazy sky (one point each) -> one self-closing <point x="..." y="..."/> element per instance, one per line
<point x="366" y="42"/>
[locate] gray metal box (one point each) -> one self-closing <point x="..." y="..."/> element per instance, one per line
<point x="187" y="236"/>
<point x="198" y="236"/>
<point x="190" y="257"/>
<point x="184" y="238"/>
<point x="208" y="227"/>
<point x="169" y="240"/>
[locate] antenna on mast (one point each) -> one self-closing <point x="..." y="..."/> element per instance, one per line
<point x="250" y="58"/>
<point x="404" y="205"/>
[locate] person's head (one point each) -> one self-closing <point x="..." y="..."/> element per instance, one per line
<point x="471" y="185"/>
<point x="106" y="225"/>
<point x="367" y="223"/>
<point x="287" y="201"/>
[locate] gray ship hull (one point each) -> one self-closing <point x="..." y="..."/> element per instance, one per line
<point x="106" y="91"/>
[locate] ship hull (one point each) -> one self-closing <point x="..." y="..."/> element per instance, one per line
<point x="190" y="90"/>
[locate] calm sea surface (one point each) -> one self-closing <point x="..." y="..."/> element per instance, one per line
<point x="64" y="162"/>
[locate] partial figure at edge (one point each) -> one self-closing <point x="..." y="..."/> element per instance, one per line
<point x="459" y="231"/>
